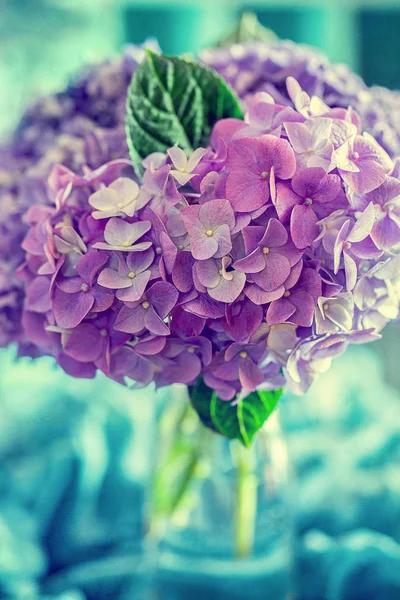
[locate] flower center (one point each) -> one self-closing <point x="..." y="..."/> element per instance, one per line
<point x="325" y="306"/>
<point x="354" y="156"/>
<point x="120" y="205"/>
<point x="243" y="354"/>
<point x="126" y="244"/>
<point x="146" y="304"/>
<point x="209" y="232"/>
<point x="265" y="174"/>
<point x="191" y="350"/>
<point x="180" y="247"/>
<point x="347" y="245"/>
<point x="131" y="275"/>
<point x="84" y="287"/>
<point x="158" y="250"/>
<point x="103" y="332"/>
<point x="308" y="201"/>
<point x="265" y="250"/>
<point x="287" y="294"/>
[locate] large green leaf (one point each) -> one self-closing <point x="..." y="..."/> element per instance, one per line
<point x="240" y="419"/>
<point x="172" y="101"/>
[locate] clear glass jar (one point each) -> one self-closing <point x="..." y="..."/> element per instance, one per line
<point x="231" y="530"/>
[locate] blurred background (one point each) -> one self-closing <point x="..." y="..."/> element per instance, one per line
<point x="75" y="455"/>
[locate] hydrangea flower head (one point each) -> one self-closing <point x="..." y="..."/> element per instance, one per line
<point x="250" y="262"/>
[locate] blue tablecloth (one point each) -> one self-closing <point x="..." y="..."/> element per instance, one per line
<point x="75" y="463"/>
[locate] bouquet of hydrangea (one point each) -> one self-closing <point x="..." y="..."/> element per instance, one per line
<point x="232" y="253"/>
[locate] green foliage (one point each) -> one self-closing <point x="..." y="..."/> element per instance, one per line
<point x="240" y="419"/>
<point x="174" y="102"/>
<point x="249" y="29"/>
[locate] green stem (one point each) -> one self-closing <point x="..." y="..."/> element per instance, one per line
<point x="246" y="507"/>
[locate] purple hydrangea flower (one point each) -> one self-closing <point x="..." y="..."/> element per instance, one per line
<point x="253" y="165"/>
<point x="272" y="248"/>
<point x="209" y="226"/>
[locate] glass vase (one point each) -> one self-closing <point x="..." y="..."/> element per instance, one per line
<point x="221" y="512"/>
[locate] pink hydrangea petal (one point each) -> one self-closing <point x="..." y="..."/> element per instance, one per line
<point x="253" y="263"/>
<point x="225" y="129"/>
<point x="363" y="225"/>
<point x="139" y="262"/>
<point x="38" y="297"/>
<point x="103" y="298"/>
<point x="182" y="272"/>
<point x="276" y="271"/>
<point x="130" y="320"/>
<point x="350" y="270"/>
<point x="280" y="155"/>
<point x="244" y="322"/>
<point x="385" y="233"/>
<point x="223" y="238"/>
<point x="285" y="200"/>
<point x="280" y="311"/>
<point x="203" y="246"/>
<point x="303" y="226"/>
<point x="249" y="374"/>
<point x="104" y="199"/>
<point x="275" y="235"/>
<point x="110" y="278"/>
<point x="163" y="296"/>
<point x="314" y="183"/>
<point x="365" y="249"/>
<point x="370" y="176"/>
<point x="118" y="232"/>
<point x="259" y="296"/>
<point x="70" y="285"/>
<point x="154" y="323"/>
<point x="252" y="237"/>
<point x="247" y="191"/>
<point x="70" y="309"/>
<point x="216" y="212"/>
<point x="305" y="308"/>
<point x="228" y="290"/>
<point x="294" y="275"/>
<point x="85" y="344"/>
<point x="207" y="272"/>
<point x="178" y="157"/>
<point x="205" y="307"/>
<point x="90" y="264"/>
<point x="136" y="289"/>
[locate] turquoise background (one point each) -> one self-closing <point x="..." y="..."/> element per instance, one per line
<point x="75" y="455"/>
<point x="42" y="42"/>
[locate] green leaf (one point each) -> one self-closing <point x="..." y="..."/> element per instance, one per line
<point x="240" y="419"/>
<point x="174" y="102"/>
<point x="249" y="29"/>
<point x="200" y="396"/>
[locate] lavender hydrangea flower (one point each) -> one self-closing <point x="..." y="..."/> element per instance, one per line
<point x="221" y="284"/>
<point x="262" y="254"/>
<point x="120" y="235"/>
<point x="264" y="67"/>
<point x="209" y="226"/>
<point x="149" y="312"/>
<point x="118" y="199"/>
<point x="386" y="199"/>
<point x="74" y="297"/>
<point x="270" y="255"/>
<point x="128" y="276"/>
<point x="304" y="202"/>
<point x="253" y="165"/>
